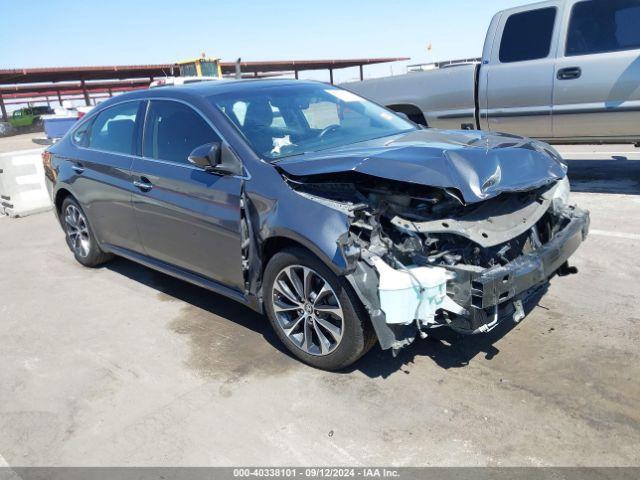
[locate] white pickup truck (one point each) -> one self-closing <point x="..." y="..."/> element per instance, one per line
<point x="561" y="71"/>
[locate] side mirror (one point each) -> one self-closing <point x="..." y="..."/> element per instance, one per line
<point x="216" y="158"/>
<point x="206" y="156"/>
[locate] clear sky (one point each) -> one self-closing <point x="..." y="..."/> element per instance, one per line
<point x="55" y="33"/>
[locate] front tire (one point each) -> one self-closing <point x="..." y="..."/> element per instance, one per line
<point x="79" y="235"/>
<point x="315" y="314"/>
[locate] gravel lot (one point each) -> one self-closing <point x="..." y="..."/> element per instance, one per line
<point x="124" y="366"/>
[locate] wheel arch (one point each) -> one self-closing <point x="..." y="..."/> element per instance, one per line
<point x="273" y="245"/>
<point x="414" y="113"/>
<point x="278" y="243"/>
<point x="60" y="197"/>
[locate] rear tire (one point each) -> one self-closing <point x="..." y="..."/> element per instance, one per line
<point x="79" y="235"/>
<point x="315" y="313"/>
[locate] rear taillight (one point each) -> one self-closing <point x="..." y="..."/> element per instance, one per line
<point x="49" y="172"/>
<point x="46" y="160"/>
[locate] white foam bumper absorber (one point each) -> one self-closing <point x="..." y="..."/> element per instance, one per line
<point x="412" y="294"/>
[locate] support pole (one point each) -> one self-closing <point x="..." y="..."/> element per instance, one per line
<point x="5" y="117"/>
<point x="331" y="76"/>
<point x="110" y="94"/>
<point x="239" y="68"/>
<point x="86" y="93"/>
<point x="59" y="98"/>
<point x="361" y="72"/>
<point x="296" y="73"/>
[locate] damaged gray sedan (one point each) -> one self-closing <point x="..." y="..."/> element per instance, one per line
<point x="343" y="222"/>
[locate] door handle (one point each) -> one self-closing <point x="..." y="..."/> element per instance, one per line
<point x="78" y="168"/>
<point x="143" y="184"/>
<point x="570" y="73"/>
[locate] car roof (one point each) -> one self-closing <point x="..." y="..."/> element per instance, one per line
<point x="207" y="89"/>
<point x="199" y="93"/>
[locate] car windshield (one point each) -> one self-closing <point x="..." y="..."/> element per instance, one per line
<point x="289" y="119"/>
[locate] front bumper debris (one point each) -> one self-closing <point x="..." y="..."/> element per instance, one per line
<point x="487" y="297"/>
<point x="480" y="299"/>
<point x="501" y="284"/>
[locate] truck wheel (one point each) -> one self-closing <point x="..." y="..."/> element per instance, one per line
<point x="79" y="235"/>
<point x="315" y="314"/>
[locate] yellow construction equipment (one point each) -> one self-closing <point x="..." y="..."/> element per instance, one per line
<point x="201" y="67"/>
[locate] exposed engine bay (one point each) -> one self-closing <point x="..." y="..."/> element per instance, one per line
<point x="467" y="266"/>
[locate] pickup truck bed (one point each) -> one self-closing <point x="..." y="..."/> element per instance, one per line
<point x="443" y="98"/>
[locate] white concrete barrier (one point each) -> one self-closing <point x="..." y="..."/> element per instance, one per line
<point x="22" y="188"/>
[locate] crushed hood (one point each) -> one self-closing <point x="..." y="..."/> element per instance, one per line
<point x="479" y="165"/>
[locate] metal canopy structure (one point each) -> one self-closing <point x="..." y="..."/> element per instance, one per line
<point x="25" y="83"/>
<point x="70" y="74"/>
<point x="24" y="91"/>
<point x="302" y="65"/>
<point x="47" y="92"/>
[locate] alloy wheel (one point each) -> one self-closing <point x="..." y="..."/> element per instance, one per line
<point x="77" y="231"/>
<point x="307" y="310"/>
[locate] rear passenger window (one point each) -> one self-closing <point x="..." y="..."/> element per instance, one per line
<point x="599" y="26"/>
<point x="173" y="130"/>
<point x="114" y="128"/>
<point x="527" y="35"/>
<point x="81" y="135"/>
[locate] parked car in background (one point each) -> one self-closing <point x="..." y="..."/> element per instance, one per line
<point x="562" y="71"/>
<point x="27" y="117"/>
<point x="343" y="222"/>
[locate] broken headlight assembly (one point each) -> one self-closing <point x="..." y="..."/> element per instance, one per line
<point x="563" y="191"/>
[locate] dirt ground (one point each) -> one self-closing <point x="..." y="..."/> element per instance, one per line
<point x="20" y="142"/>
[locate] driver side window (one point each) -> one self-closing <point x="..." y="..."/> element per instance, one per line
<point x="173" y="130"/>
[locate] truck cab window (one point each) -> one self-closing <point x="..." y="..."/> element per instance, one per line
<point x="600" y="26"/>
<point x="527" y="35"/>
